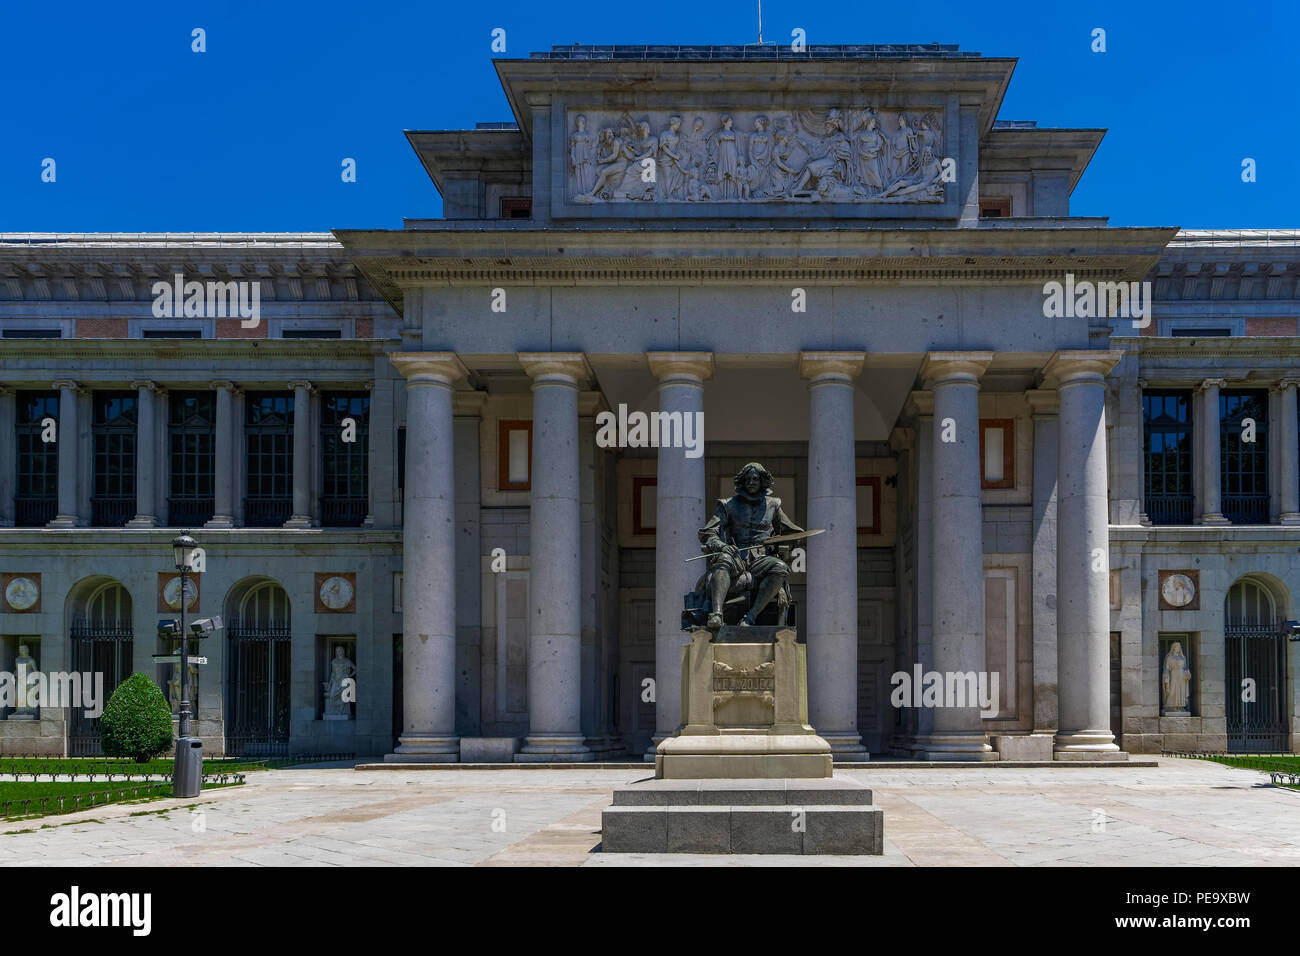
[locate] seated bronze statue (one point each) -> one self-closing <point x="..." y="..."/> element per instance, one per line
<point x="747" y="582"/>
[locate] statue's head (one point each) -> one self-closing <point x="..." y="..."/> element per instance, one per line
<point x="726" y="121"/>
<point x="753" y="480"/>
<point x="338" y="651"/>
<point x="674" y="123"/>
<point x="582" y="122"/>
<point x="22" y="650"/>
<point x="760" y="123"/>
<point x="1176" y="649"/>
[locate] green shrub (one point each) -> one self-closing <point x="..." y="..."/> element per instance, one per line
<point x="137" y="722"/>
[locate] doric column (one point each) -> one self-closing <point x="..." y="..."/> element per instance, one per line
<point x="302" y="442"/>
<point x="680" y="512"/>
<point x="223" y="476"/>
<point x="1044" y="403"/>
<point x="1211" y="460"/>
<point x="146" y="454"/>
<point x="429" y="560"/>
<point x="957" y="582"/>
<point x="69" y="462"/>
<point x="555" y="577"/>
<point x="1143" y="517"/>
<point x="8" y="456"/>
<point x="467" y="409"/>
<point x="1082" y="556"/>
<point x="1290" y="477"/>
<point x="832" y="629"/>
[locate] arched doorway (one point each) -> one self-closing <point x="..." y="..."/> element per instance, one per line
<point x="257" y="685"/>
<point x="101" y="641"/>
<point x="1254" y="667"/>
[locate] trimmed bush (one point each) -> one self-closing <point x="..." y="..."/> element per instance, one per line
<point x="137" y="721"/>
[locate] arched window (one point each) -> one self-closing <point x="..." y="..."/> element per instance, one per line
<point x="1254" y="670"/>
<point x="101" y="641"/>
<point x="258" y="652"/>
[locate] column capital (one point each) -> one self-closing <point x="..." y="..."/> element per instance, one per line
<point x="67" y="383"/>
<point x="230" y="386"/>
<point x="940" y="367"/>
<point x="1290" y="383"/>
<point x="295" y="385"/>
<point x="566" y="368"/>
<point x="691" y="366"/>
<point x="919" y="402"/>
<point x="1143" y="384"/>
<point x="836" y="366"/>
<point x="1079" y="365"/>
<point x="1213" y="383"/>
<point x="442" y="368"/>
<point x="146" y="386"/>
<point x="468" y="404"/>
<point x="1043" y="402"/>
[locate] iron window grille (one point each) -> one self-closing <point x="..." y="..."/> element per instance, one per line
<point x="1244" y="464"/>
<point x="268" y="444"/>
<point x="114" y="437"/>
<point x="1167" y="451"/>
<point x="345" y="466"/>
<point x="192" y="447"/>
<point x="36" y="499"/>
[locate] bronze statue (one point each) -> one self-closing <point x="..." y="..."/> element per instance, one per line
<point x="735" y="566"/>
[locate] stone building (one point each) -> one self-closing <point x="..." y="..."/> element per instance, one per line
<point x="843" y="260"/>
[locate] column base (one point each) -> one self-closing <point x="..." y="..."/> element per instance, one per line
<point x="967" y="746"/>
<point x="220" y="521"/>
<point x="1213" y="519"/>
<point x="63" y="521"/>
<point x="413" y="748"/>
<point x="559" y="748"/>
<point x="1289" y="518"/>
<point x="1086" y="745"/>
<point x="846" y="746"/>
<point x="298" y="521"/>
<point x="143" y="521"/>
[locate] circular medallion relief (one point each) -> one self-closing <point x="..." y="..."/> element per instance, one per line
<point x="336" y="592"/>
<point x="172" y="594"/>
<point x="1178" y="590"/>
<point x="22" y="593"/>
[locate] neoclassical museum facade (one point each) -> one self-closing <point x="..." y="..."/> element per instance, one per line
<point x="843" y="263"/>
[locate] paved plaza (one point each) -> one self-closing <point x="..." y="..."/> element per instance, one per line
<point x="1182" y="813"/>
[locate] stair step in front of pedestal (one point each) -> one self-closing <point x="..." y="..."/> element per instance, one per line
<point x="743" y="792"/>
<point x="839" y="830"/>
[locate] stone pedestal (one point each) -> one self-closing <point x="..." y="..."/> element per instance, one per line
<point x="744" y="709"/>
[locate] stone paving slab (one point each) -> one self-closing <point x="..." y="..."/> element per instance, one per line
<point x="1179" y="813"/>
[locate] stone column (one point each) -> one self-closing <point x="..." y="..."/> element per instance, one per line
<point x="832" y="628"/>
<point x="146" y="454"/>
<point x="69" y="463"/>
<point x="429" y="560"/>
<point x="1142" y="517"/>
<point x="1044" y="403"/>
<point x="1211" y="462"/>
<point x="957" y="581"/>
<point x="555" y="576"/>
<point x="467" y="418"/>
<point x="302" y="444"/>
<point x="1287" y="453"/>
<point x="680" y="513"/>
<point x="224" y="458"/>
<point x="1082" y="556"/>
<point x="8" y="456"/>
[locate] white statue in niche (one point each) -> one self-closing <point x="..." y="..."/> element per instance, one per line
<point x="1175" y="681"/>
<point x="25" y="677"/>
<point x="582" y="155"/>
<point x="336" y="708"/>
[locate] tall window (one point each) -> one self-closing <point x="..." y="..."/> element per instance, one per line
<point x="1243" y="415"/>
<point x="1167" y="417"/>
<point x="191" y="447"/>
<point x="268" y="442"/>
<point x="37" y="499"/>
<point x="113" y="502"/>
<point x="344" y="442"/>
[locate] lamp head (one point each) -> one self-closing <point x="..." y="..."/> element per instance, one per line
<point x="183" y="549"/>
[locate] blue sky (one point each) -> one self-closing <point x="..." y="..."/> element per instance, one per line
<point x="249" y="136"/>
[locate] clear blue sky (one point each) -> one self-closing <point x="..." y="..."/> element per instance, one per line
<point x="149" y="136"/>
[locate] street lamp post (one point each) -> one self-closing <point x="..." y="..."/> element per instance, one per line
<point x="185" y="781"/>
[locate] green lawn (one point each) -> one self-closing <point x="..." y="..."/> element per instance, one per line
<point x="24" y="800"/>
<point x="101" y="767"/>
<point x="1265" y="763"/>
